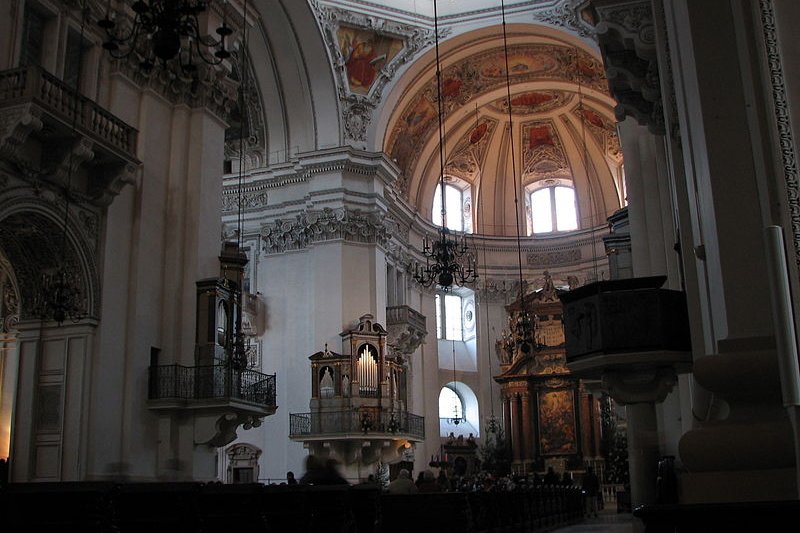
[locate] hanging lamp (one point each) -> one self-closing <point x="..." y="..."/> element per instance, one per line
<point x="445" y="256"/>
<point x="523" y="328"/>
<point x="458" y="415"/>
<point x="60" y="296"/>
<point x="166" y="31"/>
<point x="239" y="357"/>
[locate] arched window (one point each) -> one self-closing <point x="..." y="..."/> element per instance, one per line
<point x="551" y="206"/>
<point x="458" y="203"/>
<point x="458" y="410"/>
<point x="450" y="404"/>
<point x="449" y="317"/>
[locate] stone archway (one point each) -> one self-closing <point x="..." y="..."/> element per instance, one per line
<point x="45" y="364"/>
<point x="34" y="241"/>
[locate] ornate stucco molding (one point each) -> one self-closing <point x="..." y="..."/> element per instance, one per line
<point x="312" y="226"/>
<point x="38" y="214"/>
<point x="496" y="290"/>
<point x="357" y="109"/>
<point x="16" y="124"/>
<point x="627" y="38"/>
<point x="251" y="114"/>
<point x="783" y="125"/>
<point x="553" y="257"/>
<point x="564" y="16"/>
<point x="254" y="196"/>
<point x="9" y="297"/>
<point x="397" y="244"/>
<point x="212" y="88"/>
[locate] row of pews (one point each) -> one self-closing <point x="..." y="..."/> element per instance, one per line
<point x="99" y="507"/>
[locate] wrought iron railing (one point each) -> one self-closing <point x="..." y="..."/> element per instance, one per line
<point x="178" y="382"/>
<point x="354" y="421"/>
<point x="32" y="83"/>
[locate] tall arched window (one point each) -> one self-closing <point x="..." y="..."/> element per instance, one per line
<point x="458" y="410"/>
<point x="449" y="317"/>
<point x="450" y="404"/>
<point x="458" y="203"/>
<point x="551" y="206"/>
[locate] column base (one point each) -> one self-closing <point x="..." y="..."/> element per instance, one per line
<point x="738" y="486"/>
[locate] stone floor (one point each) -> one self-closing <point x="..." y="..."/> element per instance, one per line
<point x="608" y="521"/>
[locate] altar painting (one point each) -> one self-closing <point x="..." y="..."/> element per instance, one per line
<point x="557" y="422"/>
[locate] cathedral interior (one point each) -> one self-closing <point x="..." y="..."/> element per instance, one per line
<point x="455" y="235"/>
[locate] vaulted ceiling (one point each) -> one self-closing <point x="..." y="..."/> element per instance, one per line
<point x="562" y="116"/>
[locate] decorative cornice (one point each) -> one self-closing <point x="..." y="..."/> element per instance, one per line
<point x="783" y="123"/>
<point x="254" y="196"/>
<point x="347" y="161"/>
<point x="313" y="226"/>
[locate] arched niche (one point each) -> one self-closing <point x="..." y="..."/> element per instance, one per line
<point x="33" y="240"/>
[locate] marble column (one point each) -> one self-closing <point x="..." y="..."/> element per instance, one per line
<point x="527" y="431"/>
<point x="507" y="419"/>
<point x="517" y="442"/>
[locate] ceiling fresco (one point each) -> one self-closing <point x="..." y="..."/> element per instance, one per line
<point x="602" y="129"/>
<point x="470" y="151"/>
<point x="480" y="73"/>
<point x="532" y="102"/>
<point x="542" y="151"/>
<point x="365" y="53"/>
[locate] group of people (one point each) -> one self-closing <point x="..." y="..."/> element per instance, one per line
<point x="426" y="482"/>
<point x="318" y="472"/>
<point x="325" y="472"/>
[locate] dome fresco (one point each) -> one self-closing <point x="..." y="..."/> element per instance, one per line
<point x="561" y="112"/>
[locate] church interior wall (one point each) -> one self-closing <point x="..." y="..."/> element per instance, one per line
<point x="705" y="189"/>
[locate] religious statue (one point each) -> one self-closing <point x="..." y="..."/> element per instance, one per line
<point x="504" y="346"/>
<point x="346" y="386"/>
<point x="549" y="293"/>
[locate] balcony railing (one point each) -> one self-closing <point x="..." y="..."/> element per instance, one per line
<point x="344" y="423"/>
<point x="403" y="314"/>
<point x="34" y="84"/>
<point x="178" y="382"/>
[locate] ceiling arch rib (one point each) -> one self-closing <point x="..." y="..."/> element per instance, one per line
<point x="559" y="101"/>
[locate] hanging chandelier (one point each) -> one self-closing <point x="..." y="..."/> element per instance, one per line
<point x="59" y="297"/>
<point x="239" y="356"/>
<point x="523" y="329"/>
<point x="446" y="254"/>
<point x="165" y="30"/>
<point x="457" y="414"/>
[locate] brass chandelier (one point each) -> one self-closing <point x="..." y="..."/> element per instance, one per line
<point x="165" y="31"/>
<point x="445" y="255"/>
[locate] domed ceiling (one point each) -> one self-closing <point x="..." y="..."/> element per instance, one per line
<point x="562" y="116"/>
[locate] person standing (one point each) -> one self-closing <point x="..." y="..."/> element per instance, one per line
<point x="403" y="484"/>
<point x="591" y="488"/>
